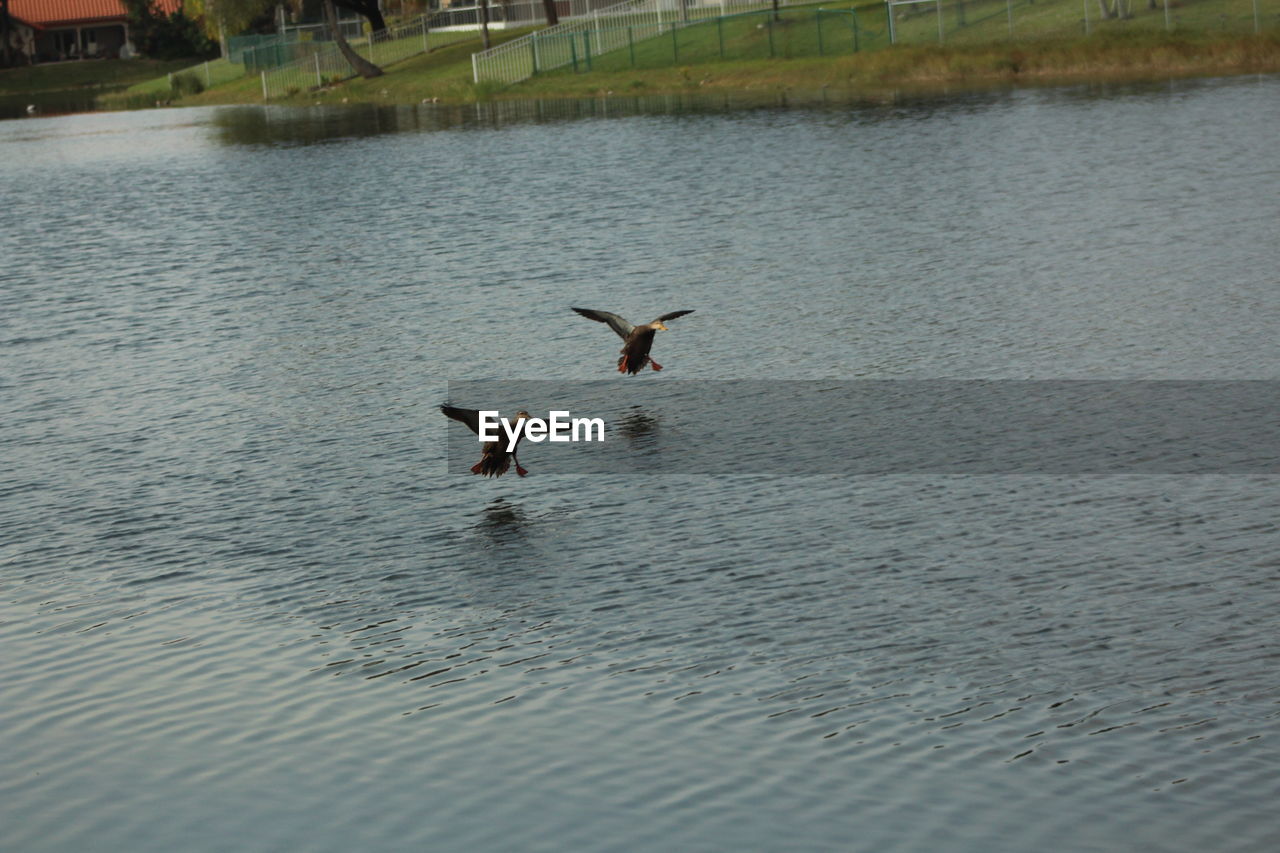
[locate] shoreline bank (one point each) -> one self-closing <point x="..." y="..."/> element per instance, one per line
<point x="443" y="76"/>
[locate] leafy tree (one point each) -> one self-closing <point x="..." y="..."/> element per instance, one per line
<point x="161" y="36"/>
<point x="221" y="18"/>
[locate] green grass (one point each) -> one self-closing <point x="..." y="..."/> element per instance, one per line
<point x="753" y="35"/>
<point x="219" y="71"/>
<point x="92" y="73"/>
<point x="804" y="52"/>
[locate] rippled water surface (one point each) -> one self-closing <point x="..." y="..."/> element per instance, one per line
<point x="244" y="606"/>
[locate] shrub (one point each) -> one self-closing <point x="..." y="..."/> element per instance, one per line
<point x="186" y="84"/>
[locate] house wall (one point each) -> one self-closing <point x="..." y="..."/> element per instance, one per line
<point x="87" y="41"/>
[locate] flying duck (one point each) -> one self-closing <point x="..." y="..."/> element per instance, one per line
<point x="494" y="458"/>
<point x="636" y="339"/>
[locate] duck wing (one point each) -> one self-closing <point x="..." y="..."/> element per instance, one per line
<point x="674" y="314"/>
<point x="470" y="417"/>
<point x="618" y="324"/>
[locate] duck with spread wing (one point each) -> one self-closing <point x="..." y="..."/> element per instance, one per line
<point x="636" y="340"/>
<point x="494" y="456"/>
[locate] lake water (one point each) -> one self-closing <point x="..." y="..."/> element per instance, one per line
<point x="245" y="605"/>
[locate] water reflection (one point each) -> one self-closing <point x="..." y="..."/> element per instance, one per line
<point x="502" y="522"/>
<point x="639" y="427"/>
<point x="25" y="104"/>
<point x="226" y="466"/>
<point x="291" y="125"/>
<point x="287" y="126"/>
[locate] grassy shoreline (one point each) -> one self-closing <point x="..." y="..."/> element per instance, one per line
<point x="444" y="76"/>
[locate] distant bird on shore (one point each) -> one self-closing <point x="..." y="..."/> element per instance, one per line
<point x="494" y="458"/>
<point x="636" y="340"/>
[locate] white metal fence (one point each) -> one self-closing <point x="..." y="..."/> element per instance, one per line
<point x="299" y="41"/>
<point x="601" y="31"/>
<point x="525" y="13"/>
<point x="210" y="73"/>
<point x="976" y="21"/>
<point x="326" y="64"/>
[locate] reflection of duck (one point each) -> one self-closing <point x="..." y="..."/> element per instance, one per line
<point x="494" y="458"/>
<point x="502" y="520"/>
<point x="636" y="339"/>
<point x="636" y="425"/>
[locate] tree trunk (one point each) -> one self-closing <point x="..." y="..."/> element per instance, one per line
<point x="363" y="67"/>
<point x="553" y="17"/>
<point x="484" y="24"/>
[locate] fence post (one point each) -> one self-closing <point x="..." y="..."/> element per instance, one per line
<point x="573" y="53"/>
<point x="675" y="46"/>
<point x="319" y="79"/>
<point x="475" y="71"/>
<point x="533" y="50"/>
<point x="264" y="85"/>
<point x="586" y="46"/>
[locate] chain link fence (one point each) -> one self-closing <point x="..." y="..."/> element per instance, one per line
<point x="746" y="35"/>
<point x="580" y="41"/>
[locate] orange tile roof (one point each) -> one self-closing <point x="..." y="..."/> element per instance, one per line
<point x="47" y="12"/>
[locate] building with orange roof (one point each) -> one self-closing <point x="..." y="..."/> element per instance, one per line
<point x="55" y="30"/>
